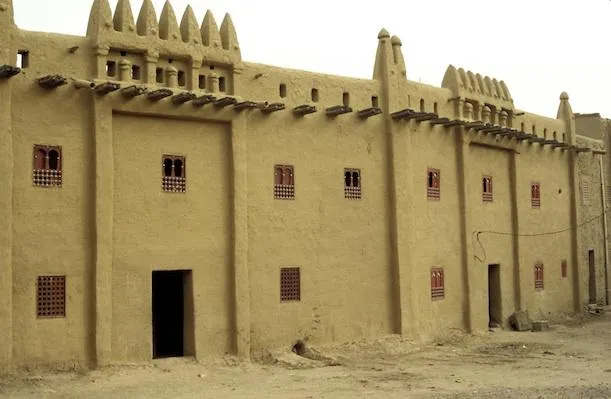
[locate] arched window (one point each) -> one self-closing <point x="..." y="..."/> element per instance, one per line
<point x="355" y="179"/>
<point x="53" y="160"/>
<point x="535" y="195"/>
<point x="422" y="105"/>
<point x="178" y="168"/>
<point x="487" y="189"/>
<point x="522" y="127"/>
<point x="284" y="182"/>
<point x="433" y="184"/>
<point x="555" y="135"/>
<point x="347" y="179"/>
<point x="173" y="179"/>
<point x="545" y="133"/>
<point x="47" y="166"/>
<point x="40" y="159"/>
<point x="352" y="184"/>
<point x="167" y="167"/>
<point x="277" y="175"/>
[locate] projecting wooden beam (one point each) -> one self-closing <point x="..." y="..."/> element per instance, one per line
<point x="582" y="149"/>
<point x="133" y="91"/>
<point x="107" y="87"/>
<point x="424" y="116"/>
<point x="244" y="105"/>
<point x="439" y="121"/>
<point x="452" y="123"/>
<point x="225" y="101"/>
<point x="203" y="100"/>
<point x="548" y="142"/>
<point x="402" y="114"/>
<point x="52" y="81"/>
<point x="369" y="112"/>
<point x="183" y="97"/>
<point x="273" y="107"/>
<point x="304" y="109"/>
<point x="159" y="94"/>
<point x="8" y="71"/>
<point x="338" y="110"/>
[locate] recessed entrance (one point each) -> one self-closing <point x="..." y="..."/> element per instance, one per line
<point x="172" y="314"/>
<point x="494" y="296"/>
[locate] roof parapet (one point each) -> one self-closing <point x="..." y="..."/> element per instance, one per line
<point x="123" y="19"/>
<point x="467" y="84"/>
<point x="168" y="24"/>
<point x="210" y="31"/>
<point x="147" y="20"/>
<point x="100" y="18"/>
<point x="189" y="28"/>
<point x="229" y="37"/>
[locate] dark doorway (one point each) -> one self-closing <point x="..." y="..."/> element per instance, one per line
<point x="169" y="304"/>
<point x="494" y="296"/>
<point x="592" y="276"/>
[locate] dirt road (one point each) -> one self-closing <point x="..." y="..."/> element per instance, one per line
<point x="569" y="361"/>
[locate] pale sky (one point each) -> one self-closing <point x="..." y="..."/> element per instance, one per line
<point x="538" y="47"/>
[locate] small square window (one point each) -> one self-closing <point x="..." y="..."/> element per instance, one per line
<point x="433" y="177"/>
<point x="47" y="166"/>
<point x="159" y="75"/>
<point x="346" y="99"/>
<point x="51" y="297"/>
<point x="437" y="283"/>
<point x="284" y="182"/>
<point x="173" y="174"/>
<point x="111" y="68"/>
<point x="564" y="268"/>
<point x="23" y="59"/>
<point x="202" y="82"/>
<point x="352" y="184"/>
<point x="535" y="195"/>
<point x="487" y="189"/>
<point x="290" y="284"/>
<point x="136" y="75"/>
<point x="539" y="276"/>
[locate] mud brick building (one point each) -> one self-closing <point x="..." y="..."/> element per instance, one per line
<point x="160" y="196"/>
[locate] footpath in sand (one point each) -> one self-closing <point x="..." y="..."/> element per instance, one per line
<point x="571" y="360"/>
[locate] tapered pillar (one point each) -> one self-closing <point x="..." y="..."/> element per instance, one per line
<point x="240" y="239"/>
<point x="104" y="187"/>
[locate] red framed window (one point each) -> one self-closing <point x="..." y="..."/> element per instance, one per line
<point x="564" y="268"/>
<point x="539" y="276"/>
<point x="437" y="283"/>
<point x="290" y="284"/>
<point x="173" y="174"/>
<point x="47" y="166"/>
<point x="51" y="297"/>
<point x="535" y="195"/>
<point x="284" y="182"/>
<point x="487" y="189"/>
<point x="433" y="181"/>
<point x="352" y="184"/>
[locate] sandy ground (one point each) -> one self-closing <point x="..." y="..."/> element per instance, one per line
<point x="571" y="360"/>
